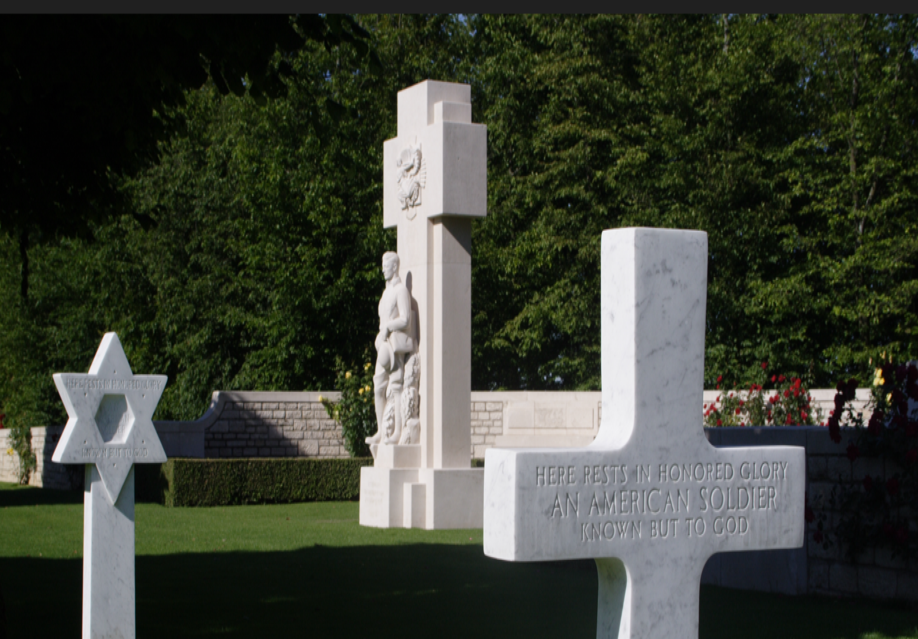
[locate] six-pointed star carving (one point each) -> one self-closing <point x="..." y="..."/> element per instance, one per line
<point x="124" y="402"/>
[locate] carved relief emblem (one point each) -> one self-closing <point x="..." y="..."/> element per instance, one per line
<point x="412" y="177"/>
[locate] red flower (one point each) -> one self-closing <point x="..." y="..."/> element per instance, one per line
<point x="781" y="378"/>
<point x="720" y="378"/>
<point x="868" y="483"/>
<point x="737" y="411"/>
<point x="720" y="423"/>
<point x="817" y="536"/>
<point x="741" y="402"/>
<point x="764" y="365"/>
<point x="788" y="421"/>
<point x="716" y="386"/>
<point x="892" y="486"/>
<point x="803" y="415"/>
<point x="769" y="414"/>
<point x="773" y="378"/>
<point x="797" y="383"/>
<point x="852" y="451"/>
<point x="796" y="393"/>
<point x="786" y="393"/>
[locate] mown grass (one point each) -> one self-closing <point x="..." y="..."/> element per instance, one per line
<point x="310" y="570"/>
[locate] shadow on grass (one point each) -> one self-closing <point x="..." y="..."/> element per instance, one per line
<point x="12" y="495"/>
<point x="408" y="591"/>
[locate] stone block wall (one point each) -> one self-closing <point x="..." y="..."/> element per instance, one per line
<point x="875" y="573"/>
<point x="487" y="423"/>
<point x="273" y="425"/>
<point x="813" y="569"/>
<point x="47" y="474"/>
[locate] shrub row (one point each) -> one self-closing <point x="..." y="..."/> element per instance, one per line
<point x="226" y="482"/>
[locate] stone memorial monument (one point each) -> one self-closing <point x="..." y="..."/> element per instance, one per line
<point x="109" y="429"/>
<point x="434" y="184"/>
<point x="650" y="499"/>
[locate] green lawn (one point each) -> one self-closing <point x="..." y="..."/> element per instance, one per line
<point x="302" y="570"/>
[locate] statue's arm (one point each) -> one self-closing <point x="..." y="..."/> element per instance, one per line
<point x="403" y="301"/>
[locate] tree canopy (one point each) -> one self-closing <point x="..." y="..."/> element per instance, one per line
<point x="240" y="249"/>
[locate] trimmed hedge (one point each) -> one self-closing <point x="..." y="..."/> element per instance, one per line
<point x="227" y="482"/>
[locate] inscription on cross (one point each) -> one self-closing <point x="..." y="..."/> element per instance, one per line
<point x="650" y="499"/>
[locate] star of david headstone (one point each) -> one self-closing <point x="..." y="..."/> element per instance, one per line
<point x="110" y="414"/>
<point x="650" y="500"/>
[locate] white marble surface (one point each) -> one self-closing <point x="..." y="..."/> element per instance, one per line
<point x="109" y="429"/>
<point x="650" y="500"/>
<point x="110" y="399"/>
<point x="108" y="560"/>
<point x="434" y="183"/>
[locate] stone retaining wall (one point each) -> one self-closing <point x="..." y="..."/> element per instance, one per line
<point x="274" y="425"/>
<point x="812" y="569"/>
<point x="47" y="474"/>
<point x="876" y="573"/>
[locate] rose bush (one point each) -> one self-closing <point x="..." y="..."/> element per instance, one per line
<point x="788" y="403"/>
<point x="355" y="411"/>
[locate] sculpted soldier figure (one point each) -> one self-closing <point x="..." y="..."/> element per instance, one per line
<point x="395" y="345"/>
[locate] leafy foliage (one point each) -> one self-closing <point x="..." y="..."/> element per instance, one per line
<point x="230" y="482"/>
<point x="242" y="254"/>
<point x="356" y="410"/>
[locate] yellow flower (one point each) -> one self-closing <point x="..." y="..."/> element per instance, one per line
<point x="889" y="398"/>
<point x="320" y="398"/>
<point x="9" y="451"/>
<point x="368" y="388"/>
<point x="347" y="375"/>
<point x="878" y="377"/>
<point x="360" y="392"/>
<point x="366" y="366"/>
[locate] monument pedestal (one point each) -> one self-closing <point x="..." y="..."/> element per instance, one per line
<point x="395" y="493"/>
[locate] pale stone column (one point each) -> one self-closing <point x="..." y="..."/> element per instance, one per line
<point x="430" y="484"/>
<point x="108" y="558"/>
<point x="434" y="245"/>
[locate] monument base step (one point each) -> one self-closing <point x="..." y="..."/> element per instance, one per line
<point x="398" y="456"/>
<point x="429" y="498"/>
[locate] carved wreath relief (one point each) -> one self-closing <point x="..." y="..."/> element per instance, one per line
<point x="412" y="178"/>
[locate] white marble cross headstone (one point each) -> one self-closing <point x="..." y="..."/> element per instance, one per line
<point x="109" y="429"/>
<point x="650" y="499"/>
